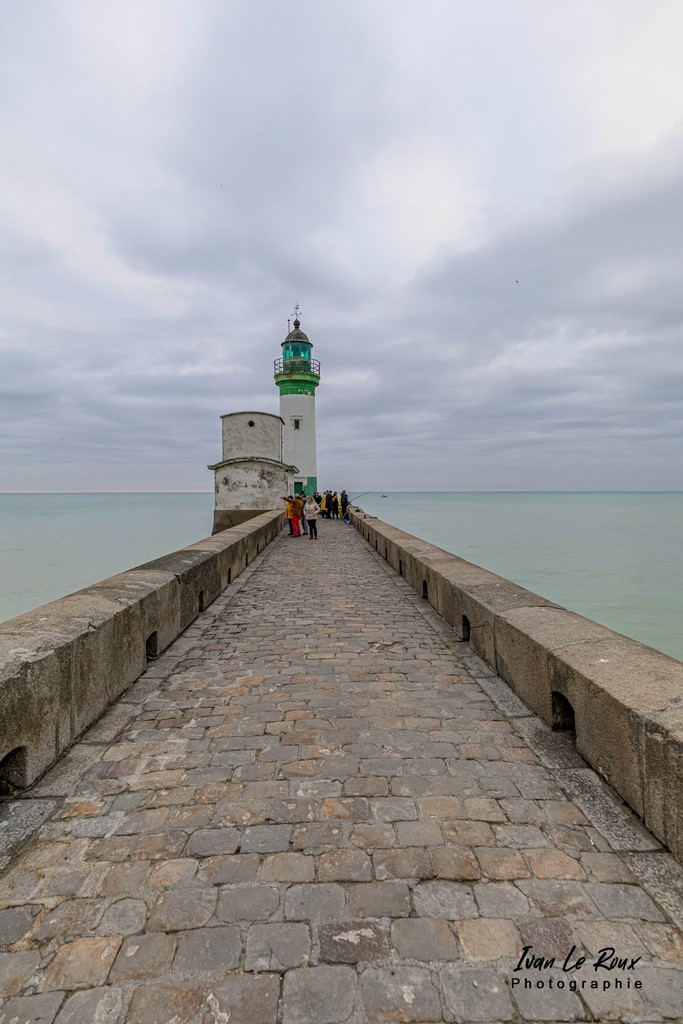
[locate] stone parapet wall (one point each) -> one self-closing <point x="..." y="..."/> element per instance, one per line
<point x="624" y="700"/>
<point x="225" y="519"/>
<point x="63" y="664"/>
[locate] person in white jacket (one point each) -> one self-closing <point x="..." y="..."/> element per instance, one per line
<point x="311" y="513"/>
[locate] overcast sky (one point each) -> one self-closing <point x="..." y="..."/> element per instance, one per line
<point x="478" y="207"/>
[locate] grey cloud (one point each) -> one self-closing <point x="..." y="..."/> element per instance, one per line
<point x="545" y="349"/>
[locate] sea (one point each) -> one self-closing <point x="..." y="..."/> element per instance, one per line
<point x="616" y="557"/>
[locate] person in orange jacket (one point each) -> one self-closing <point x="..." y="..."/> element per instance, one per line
<point x="289" y="514"/>
<point x="297" y="512"/>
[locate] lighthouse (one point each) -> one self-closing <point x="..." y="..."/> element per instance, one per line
<point x="297" y="376"/>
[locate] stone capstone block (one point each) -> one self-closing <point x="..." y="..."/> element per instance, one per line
<point x="198" y="576"/>
<point x="661" y="746"/>
<point x="610" y="684"/>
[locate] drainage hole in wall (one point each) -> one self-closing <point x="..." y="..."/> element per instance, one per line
<point x="201" y="600"/>
<point x="465" y="628"/>
<point x="563" y="713"/>
<point x="152" y="646"/>
<point x="425" y="591"/>
<point x="13" y="771"/>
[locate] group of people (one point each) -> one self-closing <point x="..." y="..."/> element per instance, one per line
<point x="302" y="511"/>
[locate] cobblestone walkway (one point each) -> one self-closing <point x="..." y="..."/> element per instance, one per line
<point x="317" y="807"/>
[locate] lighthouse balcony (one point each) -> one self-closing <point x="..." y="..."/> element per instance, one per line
<point x="297" y="366"/>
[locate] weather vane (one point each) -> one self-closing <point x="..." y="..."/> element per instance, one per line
<point x="297" y="312"/>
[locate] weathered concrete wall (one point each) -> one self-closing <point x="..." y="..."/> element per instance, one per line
<point x="246" y="484"/>
<point x="626" y="698"/>
<point x="256" y="435"/>
<point x="251" y="477"/>
<point x="63" y="664"/>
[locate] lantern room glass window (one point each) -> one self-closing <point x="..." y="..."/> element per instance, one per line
<point x="296" y="350"/>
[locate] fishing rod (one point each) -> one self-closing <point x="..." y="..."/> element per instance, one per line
<point x="361" y="495"/>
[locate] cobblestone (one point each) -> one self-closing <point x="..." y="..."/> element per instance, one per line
<point x="83" y="963"/>
<point x="488" y="939"/>
<point x="143" y="956"/>
<point x="353" y="942"/>
<point x="247" y="998"/>
<point x="318" y="806"/>
<point x="41" y="1009"/>
<point x="408" y="863"/>
<point x="15" y="922"/>
<point x="344" y="866"/>
<point x="475" y="995"/>
<point x="102" y="1005"/>
<point x="277" y="947"/>
<point x="164" y="1003"/>
<point x="407" y="994"/>
<point x="211" y="950"/>
<point x="125" y="917"/>
<point x="15" y="970"/>
<point x="321" y="995"/>
<point x="549" y="1004"/>
<point x="424" y="939"/>
<point x="379" y="899"/>
<point x="288" y="867"/>
<point x="448" y="900"/>
<point x="179" y="909"/>
<point x="315" y="903"/>
<point x="252" y="903"/>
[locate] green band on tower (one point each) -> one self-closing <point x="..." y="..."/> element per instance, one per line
<point x="298" y="385"/>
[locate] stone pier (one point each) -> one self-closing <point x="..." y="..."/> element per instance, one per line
<point x="317" y="806"/>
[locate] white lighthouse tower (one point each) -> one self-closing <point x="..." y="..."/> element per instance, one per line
<point x="297" y="376"/>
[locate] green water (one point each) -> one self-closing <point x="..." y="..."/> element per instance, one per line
<point x="614" y="557"/>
